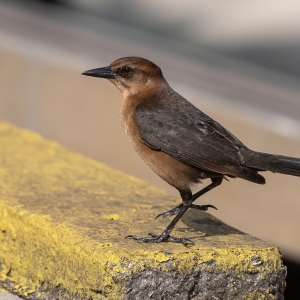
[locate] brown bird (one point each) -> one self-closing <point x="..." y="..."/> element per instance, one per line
<point x="179" y="142"/>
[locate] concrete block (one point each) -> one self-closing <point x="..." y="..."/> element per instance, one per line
<point x="63" y="218"/>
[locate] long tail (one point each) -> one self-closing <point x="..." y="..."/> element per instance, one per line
<point x="274" y="163"/>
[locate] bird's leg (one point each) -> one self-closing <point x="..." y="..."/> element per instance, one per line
<point x="214" y="183"/>
<point x="165" y="236"/>
<point x="187" y="202"/>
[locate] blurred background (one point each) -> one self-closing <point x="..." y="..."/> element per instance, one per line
<point x="238" y="61"/>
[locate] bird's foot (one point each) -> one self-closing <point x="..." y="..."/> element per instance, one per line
<point x="170" y="213"/>
<point x="203" y="207"/>
<point x="176" y="209"/>
<point x="153" y="238"/>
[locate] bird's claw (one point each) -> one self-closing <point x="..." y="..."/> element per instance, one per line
<point x="176" y="209"/>
<point x="203" y="207"/>
<point x="154" y="238"/>
<point x="170" y="213"/>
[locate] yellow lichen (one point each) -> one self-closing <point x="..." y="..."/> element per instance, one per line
<point x="111" y="217"/>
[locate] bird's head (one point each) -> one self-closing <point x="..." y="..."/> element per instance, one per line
<point x="131" y="75"/>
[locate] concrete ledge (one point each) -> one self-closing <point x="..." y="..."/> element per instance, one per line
<point x="63" y="218"/>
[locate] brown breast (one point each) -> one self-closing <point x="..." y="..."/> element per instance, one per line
<point x="174" y="172"/>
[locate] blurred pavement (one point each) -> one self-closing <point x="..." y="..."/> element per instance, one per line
<point x="6" y="296"/>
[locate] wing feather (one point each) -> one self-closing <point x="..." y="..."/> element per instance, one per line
<point x="181" y="130"/>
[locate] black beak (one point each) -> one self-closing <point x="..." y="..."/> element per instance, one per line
<point x="100" y="72"/>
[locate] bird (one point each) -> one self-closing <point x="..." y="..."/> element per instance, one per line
<point x="179" y="142"/>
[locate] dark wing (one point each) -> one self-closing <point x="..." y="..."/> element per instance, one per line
<point x="190" y="136"/>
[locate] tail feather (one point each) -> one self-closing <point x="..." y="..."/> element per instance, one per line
<point x="274" y="163"/>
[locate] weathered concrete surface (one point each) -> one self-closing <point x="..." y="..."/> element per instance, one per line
<point x="43" y="52"/>
<point x="63" y="218"/>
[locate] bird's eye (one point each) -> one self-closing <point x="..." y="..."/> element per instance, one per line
<point x="127" y="70"/>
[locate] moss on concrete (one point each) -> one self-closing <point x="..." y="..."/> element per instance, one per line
<point x="63" y="218"/>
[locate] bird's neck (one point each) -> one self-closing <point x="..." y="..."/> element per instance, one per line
<point x="130" y="102"/>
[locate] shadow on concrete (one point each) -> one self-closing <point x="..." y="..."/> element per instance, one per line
<point x="206" y="223"/>
<point x="292" y="281"/>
